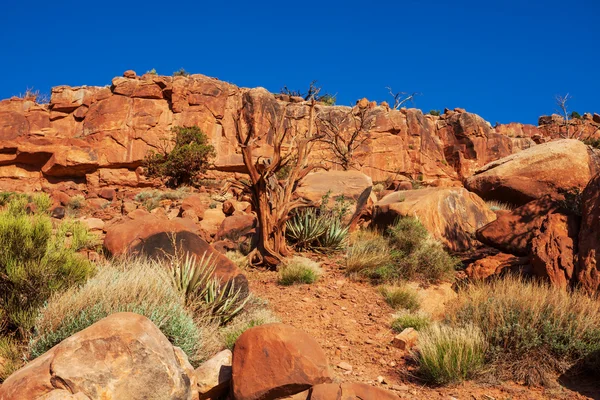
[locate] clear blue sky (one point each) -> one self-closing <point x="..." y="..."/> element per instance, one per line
<point x="505" y="60"/>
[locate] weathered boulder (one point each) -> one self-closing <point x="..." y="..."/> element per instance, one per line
<point x="350" y="391"/>
<point x="545" y="169"/>
<point x="512" y="232"/>
<point x="588" y="271"/>
<point x="497" y="264"/>
<point x="236" y="227"/>
<point x="195" y="203"/>
<point x="123" y="356"/>
<point x="553" y="249"/>
<point x="157" y="237"/>
<point x="213" y="377"/>
<point x="276" y="360"/>
<point x="212" y="220"/>
<point x="353" y="185"/>
<point x="451" y="215"/>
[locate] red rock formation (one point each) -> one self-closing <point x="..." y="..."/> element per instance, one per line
<point x="99" y="135"/>
<point x="588" y="271"/>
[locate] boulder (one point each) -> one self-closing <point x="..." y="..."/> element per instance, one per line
<point x="276" y="360"/>
<point x="588" y="271"/>
<point x="196" y="203"/>
<point x="213" y="377"/>
<point x="545" y="169"/>
<point x="451" y="215"/>
<point x="497" y="264"/>
<point x="553" y="249"/>
<point x="350" y="391"/>
<point x="512" y="232"/>
<point x="406" y="339"/>
<point x="123" y="356"/>
<point x="212" y="220"/>
<point x="237" y="226"/>
<point x="158" y="237"/>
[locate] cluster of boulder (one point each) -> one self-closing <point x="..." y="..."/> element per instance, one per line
<point x="125" y="356"/>
<point x="98" y="136"/>
<point x="552" y="232"/>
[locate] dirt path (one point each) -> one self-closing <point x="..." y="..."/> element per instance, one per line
<point x="351" y="321"/>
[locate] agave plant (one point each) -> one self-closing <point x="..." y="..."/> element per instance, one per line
<point x="305" y="227"/>
<point x="202" y="292"/>
<point x="334" y="237"/>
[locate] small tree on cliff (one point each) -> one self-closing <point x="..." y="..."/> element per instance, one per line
<point x="563" y="109"/>
<point x="180" y="160"/>
<point x="274" y="198"/>
<point x="344" y="132"/>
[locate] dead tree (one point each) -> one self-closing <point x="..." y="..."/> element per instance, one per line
<point x="563" y="109"/>
<point x="274" y="198"/>
<point x="344" y="133"/>
<point x="401" y="98"/>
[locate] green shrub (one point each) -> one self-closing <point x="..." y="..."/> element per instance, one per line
<point x="151" y="199"/>
<point x="298" y="270"/>
<point x="328" y="99"/>
<point x="189" y="156"/>
<point x="11" y="356"/>
<point x="575" y="115"/>
<point x="407" y="235"/>
<point x="595" y="143"/>
<point x="367" y="252"/>
<point x="318" y="229"/>
<point x="181" y="72"/>
<point x="437" y="113"/>
<point x="34" y="264"/>
<point x="525" y="322"/>
<point x="417" y="321"/>
<point x="75" y="204"/>
<point x="400" y="297"/>
<point x="134" y="286"/>
<point x="448" y="354"/>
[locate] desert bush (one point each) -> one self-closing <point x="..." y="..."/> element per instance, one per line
<point x="151" y="199"/>
<point x="298" y="270"/>
<point x="400" y="297"/>
<point x="130" y="285"/>
<point x="181" y="72"/>
<point x="595" y="143"/>
<point x="436" y="113"/>
<point x="498" y="205"/>
<point x="75" y="204"/>
<point x="450" y="354"/>
<point x="34" y="264"/>
<point x="11" y="356"/>
<point x="367" y="251"/>
<point x="238" y="258"/>
<point x="407" y="235"/>
<point x="417" y="321"/>
<point x="575" y="115"/>
<point x="189" y="156"/>
<point x="526" y="323"/>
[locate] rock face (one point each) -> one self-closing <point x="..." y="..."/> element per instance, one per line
<point x="553" y="249"/>
<point x="451" y="215"/>
<point x="123" y="356"/>
<point x="276" y="360"/>
<point x="496" y="265"/>
<point x="512" y="232"/>
<point x="542" y="170"/>
<point x="99" y="135"/>
<point x="588" y="271"/>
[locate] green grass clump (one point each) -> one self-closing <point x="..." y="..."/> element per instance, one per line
<point x="450" y="354"/>
<point x="299" y="270"/>
<point x="400" y="297"/>
<point x="417" y="321"/>
<point x="406" y="252"/>
<point x="11" y="356"/>
<point x="255" y="313"/>
<point x="526" y="323"/>
<point x="133" y="286"/>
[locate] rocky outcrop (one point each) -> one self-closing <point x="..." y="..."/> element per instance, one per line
<point x="350" y="391"/>
<point x="451" y="215"/>
<point x="546" y="169"/>
<point x="123" y="356"/>
<point x="496" y="264"/>
<point x="588" y="271"/>
<point x="276" y="360"/>
<point x="98" y="136"/>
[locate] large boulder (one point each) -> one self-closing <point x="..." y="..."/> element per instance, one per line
<point x="553" y="249"/>
<point x="157" y="237"/>
<point x="512" y="232"/>
<point x="123" y="356"/>
<point x="276" y="360"/>
<point x="588" y="271"/>
<point x="545" y="169"/>
<point x="451" y="215"/>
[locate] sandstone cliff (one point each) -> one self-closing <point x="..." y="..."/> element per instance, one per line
<point x="98" y="136"/>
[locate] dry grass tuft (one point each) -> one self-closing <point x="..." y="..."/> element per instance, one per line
<point x="368" y="250"/>
<point x="400" y="297"/>
<point x="299" y="270"/>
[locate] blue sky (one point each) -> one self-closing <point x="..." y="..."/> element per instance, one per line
<point x="505" y="60"/>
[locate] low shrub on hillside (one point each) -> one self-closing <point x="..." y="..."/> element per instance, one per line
<point x="417" y="321"/>
<point x="151" y="199"/>
<point x="188" y="156"/>
<point x="133" y="286"/>
<point x="532" y="329"/>
<point x="299" y="270"/>
<point x="400" y="297"/>
<point x="450" y="354"/>
<point x="407" y="251"/>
